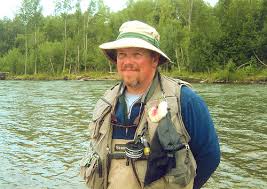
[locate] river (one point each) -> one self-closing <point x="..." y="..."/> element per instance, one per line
<point x="43" y="132"/>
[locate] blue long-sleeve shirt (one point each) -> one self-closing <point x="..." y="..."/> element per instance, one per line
<point x="197" y="120"/>
<point x="204" y="141"/>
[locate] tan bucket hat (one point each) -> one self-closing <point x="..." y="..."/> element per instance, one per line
<point x="135" y="34"/>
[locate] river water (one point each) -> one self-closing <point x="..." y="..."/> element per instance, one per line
<point x="43" y="132"/>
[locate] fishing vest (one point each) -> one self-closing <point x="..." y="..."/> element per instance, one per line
<point x="101" y="172"/>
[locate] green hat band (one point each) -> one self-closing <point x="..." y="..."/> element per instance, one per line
<point x="150" y="40"/>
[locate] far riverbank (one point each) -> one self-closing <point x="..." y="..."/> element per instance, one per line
<point x="215" y="77"/>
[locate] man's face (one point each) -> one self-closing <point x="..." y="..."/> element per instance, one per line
<point x="136" y="66"/>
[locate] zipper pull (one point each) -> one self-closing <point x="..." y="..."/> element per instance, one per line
<point x="187" y="147"/>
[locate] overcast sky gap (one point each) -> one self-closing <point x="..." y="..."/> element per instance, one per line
<point x="10" y="7"/>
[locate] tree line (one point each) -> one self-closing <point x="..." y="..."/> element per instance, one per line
<point x="196" y="36"/>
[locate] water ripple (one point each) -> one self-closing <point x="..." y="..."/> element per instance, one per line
<point x="44" y="132"/>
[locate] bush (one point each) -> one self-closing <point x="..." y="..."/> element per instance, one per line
<point x="13" y="62"/>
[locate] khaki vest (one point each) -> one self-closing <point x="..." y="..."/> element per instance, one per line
<point x="115" y="174"/>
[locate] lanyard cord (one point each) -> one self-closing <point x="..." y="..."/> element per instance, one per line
<point x="161" y="87"/>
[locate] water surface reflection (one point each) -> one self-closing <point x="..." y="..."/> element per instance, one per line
<point x="43" y="130"/>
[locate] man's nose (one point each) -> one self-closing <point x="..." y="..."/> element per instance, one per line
<point x="128" y="59"/>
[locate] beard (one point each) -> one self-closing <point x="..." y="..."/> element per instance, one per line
<point x="130" y="81"/>
<point x="133" y="84"/>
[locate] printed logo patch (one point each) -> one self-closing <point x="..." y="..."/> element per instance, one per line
<point x="120" y="147"/>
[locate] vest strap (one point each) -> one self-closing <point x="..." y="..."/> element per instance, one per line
<point x="123" y="156"/>
<point x="135" y="172"/>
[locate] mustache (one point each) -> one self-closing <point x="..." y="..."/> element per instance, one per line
<point x="129" y="67"/>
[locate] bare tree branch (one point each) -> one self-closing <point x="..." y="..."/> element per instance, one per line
<point x="259" y="59"/>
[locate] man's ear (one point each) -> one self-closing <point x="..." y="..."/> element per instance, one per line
<point x="155" y="60"/>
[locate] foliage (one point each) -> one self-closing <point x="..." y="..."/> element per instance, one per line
<point x="228" y="41"/>
<point x="13" y="62"/>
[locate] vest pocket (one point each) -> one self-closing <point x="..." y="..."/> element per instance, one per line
<point x="91" y="167"/>
<point x="184" y="171"/>
<point x="91" y="171"/>
<point x="102" y="108"/>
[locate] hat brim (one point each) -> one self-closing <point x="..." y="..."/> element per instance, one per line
<point x="109" y="48"/>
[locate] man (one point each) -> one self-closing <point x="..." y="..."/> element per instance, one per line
<point x="149" y="131"/>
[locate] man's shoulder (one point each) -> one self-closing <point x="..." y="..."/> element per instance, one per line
<point x="112" y="92"/>
<point x="188" y="92"/>
<point x="173" y="86"/>
<point x="190" y="97"/>
<point x="115" y="86"/>
<point x="106" y="100"/>
<point x="176" y="81"/>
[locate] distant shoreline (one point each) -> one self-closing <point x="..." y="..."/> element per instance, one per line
<point x="189" y="77"/>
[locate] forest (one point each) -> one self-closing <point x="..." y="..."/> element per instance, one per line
<point x="230" y="37"/>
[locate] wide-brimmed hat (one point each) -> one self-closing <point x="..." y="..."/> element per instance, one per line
<point x="135" y="34"/>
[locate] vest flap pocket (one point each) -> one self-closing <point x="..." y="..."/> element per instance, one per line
<point x="185" y="170"/>
<point x="90" y="171"/>
<point x="88" y="165"/>
<point x="102" y="107"/>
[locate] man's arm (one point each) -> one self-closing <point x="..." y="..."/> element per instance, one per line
<point x="204" y="141"/>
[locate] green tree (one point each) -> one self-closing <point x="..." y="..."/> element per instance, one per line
<point x="13" y="61"/>
<point x="52" y="27"/>
<point x="36" y="19"/>
<point x="63" y="7"/>
<point x="50" y="54"/>
<point x="87" y="21"/>
<point x="240" y="26"/>
<point x="262" y="23"/>
<point x="205" y="32"/>
<point x="8" y="32"/>
<point x="196" y="36"/>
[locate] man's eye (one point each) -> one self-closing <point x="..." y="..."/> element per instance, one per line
<point x="121" y="55"/>
<point x="137" y="54"/>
